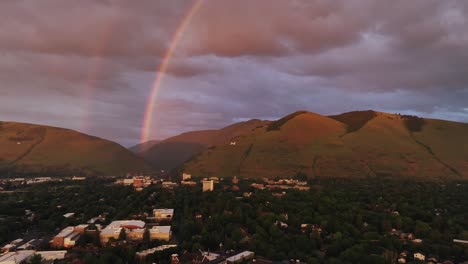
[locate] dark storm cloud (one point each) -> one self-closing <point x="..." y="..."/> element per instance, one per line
<point x="91" y="65"/>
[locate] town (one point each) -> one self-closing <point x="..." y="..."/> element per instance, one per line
<point x="182" y="219"/>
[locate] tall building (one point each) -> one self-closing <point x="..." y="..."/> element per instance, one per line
<point x="186" y="176"/>
<point x="208" y="185"/>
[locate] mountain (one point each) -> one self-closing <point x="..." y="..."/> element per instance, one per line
<point x="355" y="144"/>
<point x="174" y="151"/>
<point x="144" y="146"/>
<point x="37" y="149"/>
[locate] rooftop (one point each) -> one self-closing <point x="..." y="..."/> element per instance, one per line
<point x="164" y="211"/>
<point x="16" y="257"/>
<point x="67" y="231"/>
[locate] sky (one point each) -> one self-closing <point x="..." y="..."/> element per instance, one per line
<point x="90" y="65"/>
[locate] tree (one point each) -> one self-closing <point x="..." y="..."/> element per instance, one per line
<point x="36" y="259"/>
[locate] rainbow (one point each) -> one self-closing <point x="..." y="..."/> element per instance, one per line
<point x="148" y="116"/>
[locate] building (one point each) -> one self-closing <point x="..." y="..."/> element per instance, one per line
<point x="163" y="214"/>
<point x="31" y="244"/>
<point x="208" y="185"/>
<point x="188" y="183"/>
<point x="69" y="215"/>
<point x="241" y="257"/>
<point x="52" y="255"/>
<point x="186" y="176"/>
<point x="8" y="248"/>
<point x="145" y="253"/>
<point x="16" y="257"/>
<point x="67" y="238"/>
<point x="169" y="185"/>
<point x="160" y="233"/>
<point x="419" y="256"/>
<point x="12" y="245"/>
<point x="134" y="230"/>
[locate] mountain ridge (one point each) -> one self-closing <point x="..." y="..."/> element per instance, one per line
<point x="353" y="144"/>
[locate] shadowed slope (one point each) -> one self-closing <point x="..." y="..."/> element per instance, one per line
<point x="174" y="151"/>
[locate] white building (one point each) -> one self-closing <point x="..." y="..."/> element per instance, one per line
<point x="52" y="255"/>
<point x="246" y="255"/>
<point x="163" y="214"/>
<point x="67" y="238"/>
<point x="134" y="230"/>
<point x="160" y="233"/>
<point x="208" y="185"/>
<point x="16" y="257"/>
<point x="186" y="176"/>
<point x="419" y="256"/>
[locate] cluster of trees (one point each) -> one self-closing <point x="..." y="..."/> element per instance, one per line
<point x="356" y="220"/>
<point x="353" y="219"/>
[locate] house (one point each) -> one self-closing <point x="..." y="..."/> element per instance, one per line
<point x="134" y="230"/>
<point x="160" y="233"/>
<point x="16" y="257"/>
<point x="419" y="256"/>
<point x="163" y="214"/>
<point x="67" y="238"/>
<point x="241" y="257"/>
<point x="232" y="143"/>
<point x="208" y="185"/>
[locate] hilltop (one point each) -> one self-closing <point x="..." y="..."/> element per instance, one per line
<point x="352" y="145"/>
<point x="37" y="149"/>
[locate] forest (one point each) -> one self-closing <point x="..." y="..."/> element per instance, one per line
<point x="337" y="221"/>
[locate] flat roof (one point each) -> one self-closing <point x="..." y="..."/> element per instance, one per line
<point x="66" y="231"/>
<point x="240" y="256"/>
<point x="52" y="255"/>
<point x="116" y="226"/>
<point x="164" y="211"/>
<point x="111" y="231"/>
<point x="16" y="257"/>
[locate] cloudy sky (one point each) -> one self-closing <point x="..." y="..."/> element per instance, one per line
<point x="90" y="65"/>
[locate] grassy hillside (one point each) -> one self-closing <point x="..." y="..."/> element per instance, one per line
<point x="356" y="144"/>
<point x="35" y="149"/>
